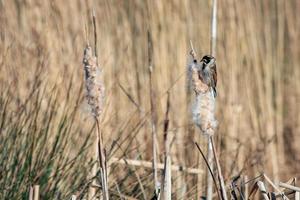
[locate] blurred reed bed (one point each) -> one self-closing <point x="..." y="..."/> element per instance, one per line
<point x="258" y="83"/>
<point x="38" y="136"/>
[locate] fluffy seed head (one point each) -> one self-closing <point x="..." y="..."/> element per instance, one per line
<point x="93" y="82"/>
<point x="203" y="109"/>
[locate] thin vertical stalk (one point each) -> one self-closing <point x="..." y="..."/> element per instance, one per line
<point x="213" y="39"/>
<point x="213" y="44"/>
<point x="211" y="141"/>
<point x="209" y="179"/>
<point x="209" y="169"/>
<point x="153" y="118"/>
<point x="100" y="146"/>
<point x="220" y="176"/>
<point x="102" y="161"/>
<point x="167" y="178"/>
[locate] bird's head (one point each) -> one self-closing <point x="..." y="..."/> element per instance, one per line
<point x="207" y="60"/>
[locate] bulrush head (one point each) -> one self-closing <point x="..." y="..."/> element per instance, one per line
<point x="204" y="81"/>
<point x="93" y="82"/>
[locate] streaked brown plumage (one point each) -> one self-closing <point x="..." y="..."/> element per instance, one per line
<point x="207" y="72"/>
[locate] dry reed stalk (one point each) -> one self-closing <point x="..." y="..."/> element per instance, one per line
<point x="278" y="75"/>
<point x="220" y="176"/>
<point x="287" y="186"/>
<point x="213" y="38"/>
<point x="95" y="98"/>
<point x="148" y="164"/>
<point x="167" y="177"/>
<point x="213" y="45"/>
<point x="153" y="117"/>
<point x="211" y="141"/>
<point x="209" y="180"/>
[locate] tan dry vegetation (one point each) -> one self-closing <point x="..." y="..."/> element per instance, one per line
<point x="258" y="105"/>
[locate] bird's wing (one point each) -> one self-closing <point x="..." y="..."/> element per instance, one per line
<point x="213" y="81"/>
<point x="213" y="73"/>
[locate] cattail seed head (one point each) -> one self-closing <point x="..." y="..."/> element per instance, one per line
<point x="203" y="109"/>
<point x="93" y="82"/>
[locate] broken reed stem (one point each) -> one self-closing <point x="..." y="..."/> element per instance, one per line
<point x="153" y="118"/>
<point x="167" y="178"/>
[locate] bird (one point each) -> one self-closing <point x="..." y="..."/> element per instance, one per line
<point x="207" y="72"/>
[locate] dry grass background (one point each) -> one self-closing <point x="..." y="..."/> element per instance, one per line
<point x="258" y="61"/>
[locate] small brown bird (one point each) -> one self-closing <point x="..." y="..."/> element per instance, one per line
<point x="207" y="72"/>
